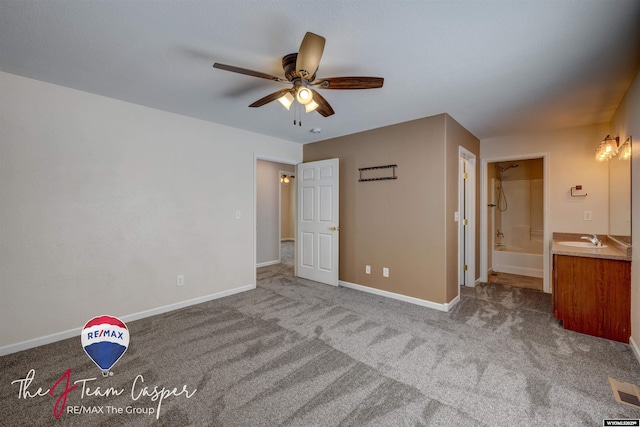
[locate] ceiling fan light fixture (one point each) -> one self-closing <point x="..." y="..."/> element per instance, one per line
<point x="311" y="106"/>
<point x="304" y="95"/>
<point x="300" y="70"/>
<point x="286" y="100"/>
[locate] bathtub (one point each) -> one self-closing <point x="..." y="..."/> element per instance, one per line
<point x="521" y="261"/>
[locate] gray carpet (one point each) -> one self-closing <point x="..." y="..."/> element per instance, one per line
<point x="298" y="353"/>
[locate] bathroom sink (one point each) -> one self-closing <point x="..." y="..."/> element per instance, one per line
<point x="587" y="245"/>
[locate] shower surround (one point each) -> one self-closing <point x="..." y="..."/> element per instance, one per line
<point x="517" y="218"/>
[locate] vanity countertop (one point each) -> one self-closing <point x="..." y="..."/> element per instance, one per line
<point x="615" y="250"/>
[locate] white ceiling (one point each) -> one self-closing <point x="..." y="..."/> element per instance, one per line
<point x="498" y="67"/>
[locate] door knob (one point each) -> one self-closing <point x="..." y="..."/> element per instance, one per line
<point x="334" y="228"/>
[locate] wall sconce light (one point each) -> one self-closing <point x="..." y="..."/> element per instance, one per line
<point x="286" y="178"/>
<point x="624" y="152"/>
<point x="607" y="149"/>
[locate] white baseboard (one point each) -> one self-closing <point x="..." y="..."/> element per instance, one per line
<point x="267" y="263"/>
<point x="449" y="305"/>
<point x="48" y="339"/>
<point x="634" y="348"/>
<point x="400" y="297"/>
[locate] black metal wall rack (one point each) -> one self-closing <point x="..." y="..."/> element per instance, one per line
<point x="378" y="178"/>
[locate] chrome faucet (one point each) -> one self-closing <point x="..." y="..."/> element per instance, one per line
<point x="594" y="239"/>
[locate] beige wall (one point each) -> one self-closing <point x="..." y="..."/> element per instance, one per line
<point x="268" y="210"/>
<point x="625" y="122"/>
<point x="103" y="203"/>
<point x="406" y="224"/>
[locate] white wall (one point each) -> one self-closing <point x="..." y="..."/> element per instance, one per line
<point x="103" y="203"/>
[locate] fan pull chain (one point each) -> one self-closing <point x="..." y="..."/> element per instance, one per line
<point x="297" y="112"/>
<point x="295" y="108"/>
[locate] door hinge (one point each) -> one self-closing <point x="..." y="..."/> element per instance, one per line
<point x="465" y="175"/>
<point x="466" y="267"/>
<point x="465" y="222"/>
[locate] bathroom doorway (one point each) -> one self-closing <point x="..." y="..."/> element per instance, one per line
<point x="515" y="222"/>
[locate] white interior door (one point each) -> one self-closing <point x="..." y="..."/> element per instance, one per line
<point x="317" y="221"/>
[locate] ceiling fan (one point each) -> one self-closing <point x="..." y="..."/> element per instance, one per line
<point x="300" y="70"/>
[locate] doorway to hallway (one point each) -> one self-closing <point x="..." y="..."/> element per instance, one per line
<point x="275" y="209"/>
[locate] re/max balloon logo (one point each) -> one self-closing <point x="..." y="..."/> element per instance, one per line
<point x="105" y="339"/>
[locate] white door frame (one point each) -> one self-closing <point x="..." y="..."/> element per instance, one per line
<point x="466" y="210"/>
<point x="484" y="214"/>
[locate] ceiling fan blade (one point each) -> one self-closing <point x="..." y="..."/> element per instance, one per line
<point x="350" y="83"/>
<point x="271" y="97"/>
<point x="323" y="106"/>
<point x="309" y="55"/>
<point x="248" y="72"/>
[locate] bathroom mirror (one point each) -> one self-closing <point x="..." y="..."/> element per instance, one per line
<point x="620" y="194"/>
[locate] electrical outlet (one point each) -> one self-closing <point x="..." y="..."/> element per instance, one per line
<point x="385" y="272"/>
<point x="367" y="269"/>
<point x="587" y="215"/>
<point x="180" y="280"/>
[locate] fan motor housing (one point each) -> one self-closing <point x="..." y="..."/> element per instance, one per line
<point x="289" y="66"/>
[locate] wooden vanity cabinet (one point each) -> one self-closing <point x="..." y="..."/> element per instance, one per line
<point x="593" y="296"/>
